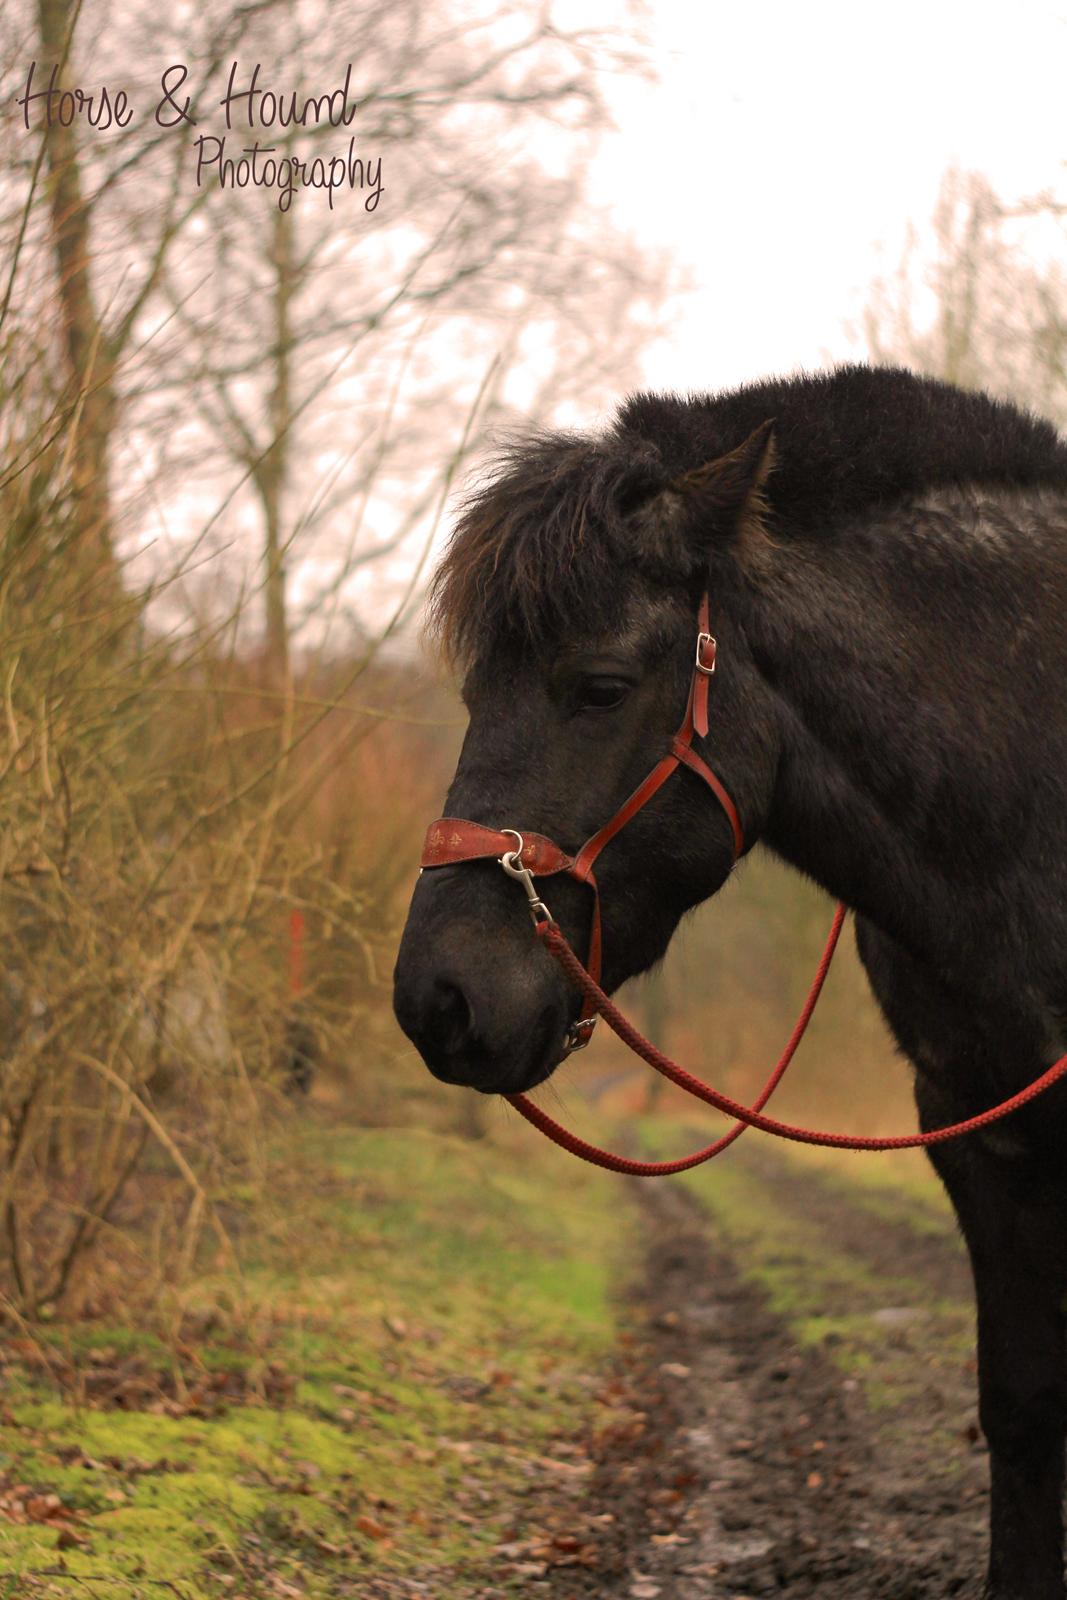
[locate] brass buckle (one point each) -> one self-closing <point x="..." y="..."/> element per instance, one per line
<point x="703" y="640"/>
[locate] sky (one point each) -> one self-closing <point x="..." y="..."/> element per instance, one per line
<point x="785" y="148"/>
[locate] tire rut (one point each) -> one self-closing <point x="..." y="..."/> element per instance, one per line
<point x="752" y="1466"/>
<point x="934" y="1255"/>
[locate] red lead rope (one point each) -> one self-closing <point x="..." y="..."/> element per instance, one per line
<point x="747" y="1116"/>
<point x="452" y="840"/>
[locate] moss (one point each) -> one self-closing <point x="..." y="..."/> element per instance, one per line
<point x="437" y="1306"/>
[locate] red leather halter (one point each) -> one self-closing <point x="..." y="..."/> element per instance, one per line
<point x="451" y="839"/>
<point x="531" y="855"/>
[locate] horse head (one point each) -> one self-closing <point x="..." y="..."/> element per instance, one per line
<point x="570" y="595"/>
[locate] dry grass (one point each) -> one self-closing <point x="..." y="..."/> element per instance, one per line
<point x="163" y="813"/>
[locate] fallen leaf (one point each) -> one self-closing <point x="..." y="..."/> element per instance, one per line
<point x="372" y="1528"/>
<point x="70" y="1538"/>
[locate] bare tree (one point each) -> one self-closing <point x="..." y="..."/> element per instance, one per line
<point x="356" y="334"/>
<point x="90" y="207"/>
<point x="983" y="303"/>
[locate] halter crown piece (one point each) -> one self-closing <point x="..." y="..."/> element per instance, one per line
<point x="526" y="857"/>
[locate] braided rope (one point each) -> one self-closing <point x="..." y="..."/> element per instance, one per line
<point x="747" y="1116"/>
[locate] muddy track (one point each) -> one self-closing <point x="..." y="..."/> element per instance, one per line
<point x="751" y="1466"/>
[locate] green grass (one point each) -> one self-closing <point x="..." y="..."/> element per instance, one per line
<point x="438" y="1308"/>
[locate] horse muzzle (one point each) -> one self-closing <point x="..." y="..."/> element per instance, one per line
<point x="477" y="1008"/>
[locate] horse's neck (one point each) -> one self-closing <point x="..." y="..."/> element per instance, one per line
<point x="916" y="674"/>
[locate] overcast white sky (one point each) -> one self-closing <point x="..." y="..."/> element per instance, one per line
<point x="785" y="147"/>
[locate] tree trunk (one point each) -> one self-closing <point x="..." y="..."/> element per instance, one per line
<point x="87" y="356"/>
<point x="272" y="474"/>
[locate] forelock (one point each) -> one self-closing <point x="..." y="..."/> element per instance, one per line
<point x="545" y="542"/>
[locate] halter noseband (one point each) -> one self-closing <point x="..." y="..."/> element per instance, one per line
<point x="525" y="857"/>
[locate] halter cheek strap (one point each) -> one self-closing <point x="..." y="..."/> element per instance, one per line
<point x="451" y="840"/>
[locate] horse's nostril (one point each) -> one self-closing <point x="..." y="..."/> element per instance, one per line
<point x="453" y="1017"/>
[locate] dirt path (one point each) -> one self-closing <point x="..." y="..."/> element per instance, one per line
<point x="753" y="1466"/>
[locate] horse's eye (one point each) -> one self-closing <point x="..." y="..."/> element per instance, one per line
<point x="602" y="694"/>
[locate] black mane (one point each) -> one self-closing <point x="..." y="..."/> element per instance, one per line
<point x="541" y="542"/>
<point x="855" y="439"/>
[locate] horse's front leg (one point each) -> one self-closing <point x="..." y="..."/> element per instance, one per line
<point x="1015" y="1231"/>
<point x="1009" y="1188"/>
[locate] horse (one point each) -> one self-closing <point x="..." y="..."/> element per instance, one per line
<point x="885" y="562"/>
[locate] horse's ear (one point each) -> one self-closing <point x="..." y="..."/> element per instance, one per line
<point x="726" y="495"/>
<point x="721" y="502"/>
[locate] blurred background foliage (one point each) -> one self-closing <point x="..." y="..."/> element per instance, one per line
<point x="229" y="435"/>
